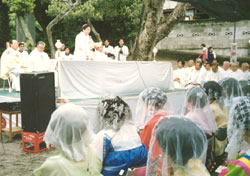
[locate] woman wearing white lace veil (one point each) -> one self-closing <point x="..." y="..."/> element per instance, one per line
<point x="197" y="108"/>
<point x="69" y="133"/>
<point x="118" y="143"/>
<point x="151" y="101"/>
<point x="178" y="148"/>
<point x="231" y="88"/>
<point x="239" y="138"/>
<point x="245" y="86"/>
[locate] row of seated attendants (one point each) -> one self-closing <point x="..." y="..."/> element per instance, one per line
<point x="210" y="137"/>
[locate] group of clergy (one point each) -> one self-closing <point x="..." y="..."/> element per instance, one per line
<point x="197" y="73"/>
<point x="87" y="49"/>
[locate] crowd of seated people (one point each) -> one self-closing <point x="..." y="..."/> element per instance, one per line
<point x="209" y="137"/>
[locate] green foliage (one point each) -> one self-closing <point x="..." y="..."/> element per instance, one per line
<point x="20" y="7"/>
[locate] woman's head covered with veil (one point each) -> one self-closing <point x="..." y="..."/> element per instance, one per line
<point x="112" y="112"/>
<point x="197" y="108"/>
<point x="151" y="102"/>
<point x="238" y="130"/>
<point x="68" y="131"/>
<point x="177" y="143"/>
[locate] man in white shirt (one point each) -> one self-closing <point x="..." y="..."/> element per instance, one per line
<point x="215" y="74"/>
<point x="197" y="76"/>
<point x="236" y="73"/>
<point x="244" y="68"/>
<point x="108" y="50"/>
<point x="121" y="51"/>
<point x="207" y="69"/>
<point x="11" y="67"/>
<point x="226" y="69"/>
<point x="188" y="71"/>
<point x="178" y="75"/>
<point x="84" y="44"/>
<point x="38" y="59"/>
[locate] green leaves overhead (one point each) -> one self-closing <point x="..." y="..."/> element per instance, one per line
<point x="20" y="7"/>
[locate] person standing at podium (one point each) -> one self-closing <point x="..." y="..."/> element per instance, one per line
<point x="84" y="44"/>
<point x="38" y="59"/>
<point x="121" y="51"/>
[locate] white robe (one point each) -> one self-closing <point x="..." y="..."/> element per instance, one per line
<point x="67" y="57"/>
<point x="39" y="61"/>
<point x="179" y="73"/>
<point x="11" y="67"/>
<point x="206" y="72"/>
<point x="188" y="73"/>
<point x="196" y="77"/>
<point x="24" y="57"/>
<point x="100" y="56"/>
<point x="59" y="55"/>
<point x="108" y="49"/>
<point x="226" y="73"/>
<point x="83" y="45"/>
<point x="238" y="74"/>
<point x="214" y="76"/>
<point x="123" y="56"/>
<point x="246" y="74"/>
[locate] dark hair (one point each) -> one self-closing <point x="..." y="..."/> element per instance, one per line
<point x="21" y="44"/>
<point x="208" y="63"/>
<point x="213" y="90"/>
<point x="203" y="45"/>
<point x="214" y="64"/>
<point x="171" y="131"/>
<point x="245" y="86"/>
<point x="200" y="63"/>
<point x="230" y="86"/>
<point x="193" y="97"/>
<point x="85" y="26"/>
<point x="182" y="62"/>
<point x="210" y="48"/>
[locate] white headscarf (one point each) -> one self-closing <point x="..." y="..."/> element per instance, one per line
<point x="151" y="102"/>
<point x="177" y="143"/>
<point x="197" y="108"/>
<point x="238" y="125"/>
<point x="68" y="131"/>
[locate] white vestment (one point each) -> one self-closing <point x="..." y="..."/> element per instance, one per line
<point x="100" y="56"/>
<point x="121" y="56"/>
<point x="59" y="55"/>
<point x="11" y="67"/>
<point x="238" y="74"/>
<point x="67" y="57"/>
<point x="246" y="74"/>
<point x="206" y="72"/>
<point x="109" y="50"/>
<point x="188" y="73"/>
<point x="23" y="57"/>
<point x="196" y="77"/>
<point x="83" y="45"/>
<point x="179" y="73"/>
<point x="226" y="73"/>
<point x="39" y="61"/>
<point x="214" y="76"/>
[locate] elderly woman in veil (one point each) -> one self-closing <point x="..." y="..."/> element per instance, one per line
<point x="68" y="131"/>
<point x="197" y="108"/>
<point x="151" y="106"/>
<point x="117" y="142"/>
<point x="178" y="148"/>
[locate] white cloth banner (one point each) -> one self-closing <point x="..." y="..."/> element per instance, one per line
<point x="86" y="79"/>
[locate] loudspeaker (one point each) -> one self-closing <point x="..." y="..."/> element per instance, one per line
<point x="37" y="100"/>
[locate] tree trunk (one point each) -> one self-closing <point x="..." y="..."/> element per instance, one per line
<point x="156" y="27"/>
<point x="26" y="32"/>
<point x="56" y="20"/>
<point x="4" y="26"/>
<point x="97" y="35"/>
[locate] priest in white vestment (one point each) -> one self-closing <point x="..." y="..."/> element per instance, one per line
<point x="121" y="51"/>
<point x="236" y="73"/>
<point x="244" y="68"/>
<point x="99" y="54"/>
<point x="84" y="44"/>
<point x="197" y="77"/>
<point x="178" y="75"/>
<point x="188" y="71"/>
<point x="11" y="67"/>
<point x="207" y="69"/>
<point x="67" y="55"/>
<point x="108" y="50"/>
<point x="215" y="74"/>
<point x="23" y="54"/>
<point x="38" y="59"/>
<point x="226" y="69"/>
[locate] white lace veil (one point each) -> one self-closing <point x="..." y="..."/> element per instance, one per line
<point x="112" y="113"/>
<point x="176" y="143"/>
<point x="68" y="131"/>
<point x="150" y="102"/>
<point x="213" y="91"/>
<point x="197" y="108"/>
<point x="231" y="88"/>
<point x="245" y="86"/>
<point x="238" y="125"/>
